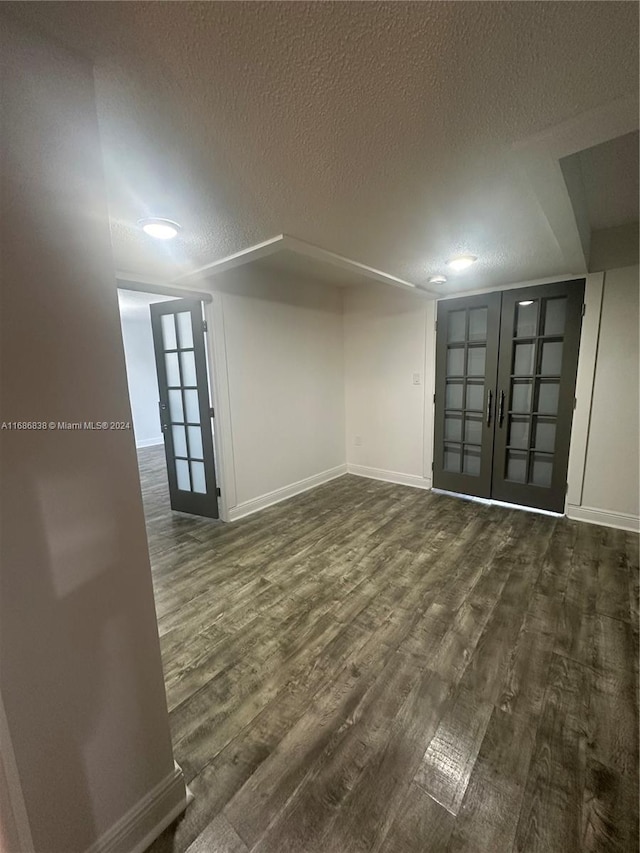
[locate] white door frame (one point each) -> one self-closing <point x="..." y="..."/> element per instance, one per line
<point x="587" y="353"/>
<point x="218" y="376"/>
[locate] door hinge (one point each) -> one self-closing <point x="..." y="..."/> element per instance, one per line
<point x="566" y="488"/>
<point x="575" y="402"/>
<point x="584" y="308"/>
<point x="205" y="328"/>
<point x="212" y="412"/>
<point x="218" y="493"/>
<point x="435" y="326"/>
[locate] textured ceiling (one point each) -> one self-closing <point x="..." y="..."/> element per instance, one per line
<point x="298" y="265"/>
<point x="610" y="179"/>
<point x="380" y="131"/>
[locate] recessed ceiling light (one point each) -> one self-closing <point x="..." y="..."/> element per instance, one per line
<point x="461" y="262"/>
<point x="161" y="229"/>
<point x="438" y="279"/>
<point x="526" y="302"/>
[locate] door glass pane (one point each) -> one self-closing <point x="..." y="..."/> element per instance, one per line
<point x="551" y="358"/>
<point x="541" y="470"/>
<point x="452" y="457"/>
<point x="168" y="331"/>
<point x="521" y="397"/>
<point x="545" y="435"/>
<point x="471" y="461"/>
<point x="526" y="320"/>
<point x="554" y="316"/>
<point x="475" y="396"/>
<point x="185" y="334"/>
<point x="182" y="475"/>
<point x="453" y="395"/>
<point x="175" y="406"/>
<point x="453" y="428"/>
<point x="188" y="364"/>
<point x="516" y="466"/>
<point x="523" y="359"/>
<point x="197" y="474"/>
<point x="456" y="326"/>
<point x="548" y="393"/>
<point x="519" y="432"/>
<point x="192" y="407"/>
<point x="171" y="363"/>
<point x="473" y="430"/>
<point x="179" y="440"/>
<point x="195" y="442"/>
<point x="475" y="361"/>
<point x="455" y="361"/>
<point x="478" y="324"/>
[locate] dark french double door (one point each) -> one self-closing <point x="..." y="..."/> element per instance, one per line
<point x="506" y="368"/>
<point x="185" y="411"/>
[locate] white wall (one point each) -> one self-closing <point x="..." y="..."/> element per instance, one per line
<point x="82" y="681"/>
<point x="611" y="479"/>
<point x="386" y="343"/>
<point x="142" y="379"/>
<point x="389" y="334"/>
<point x="283" y="342"/>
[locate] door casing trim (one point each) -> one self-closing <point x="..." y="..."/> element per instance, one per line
<point x="593" y="294"/>
<point x="217" y="365"/>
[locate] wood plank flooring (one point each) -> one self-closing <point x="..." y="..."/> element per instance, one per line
<point x="370" y="667"/>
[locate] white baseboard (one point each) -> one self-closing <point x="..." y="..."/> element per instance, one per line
<point x="579" y="513"/>
<point x="149" y="442"/>
<point x="390" y="476"/>
<point x="262" y="502"/>
<point x="142" y="824"/>
<point x="621" y="520"/>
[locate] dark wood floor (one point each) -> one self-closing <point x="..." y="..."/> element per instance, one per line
<point x="370" y="667"/>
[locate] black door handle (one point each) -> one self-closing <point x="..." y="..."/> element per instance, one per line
<point x="163" y="424"/>
<point x="501" y="411"/>
<point x="489" y="398"/>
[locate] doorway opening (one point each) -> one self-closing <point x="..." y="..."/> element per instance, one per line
<point x="169" y="385"/>
<point x="506" y="366"/>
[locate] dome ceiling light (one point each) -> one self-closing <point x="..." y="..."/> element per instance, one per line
<point x="160" y="229"/>
<point x="461" y="262"/>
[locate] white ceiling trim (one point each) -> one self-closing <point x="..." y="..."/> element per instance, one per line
<point x="284" y="242"/>
<point x="128" y="281"/>
<point x="237" y="259"/>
